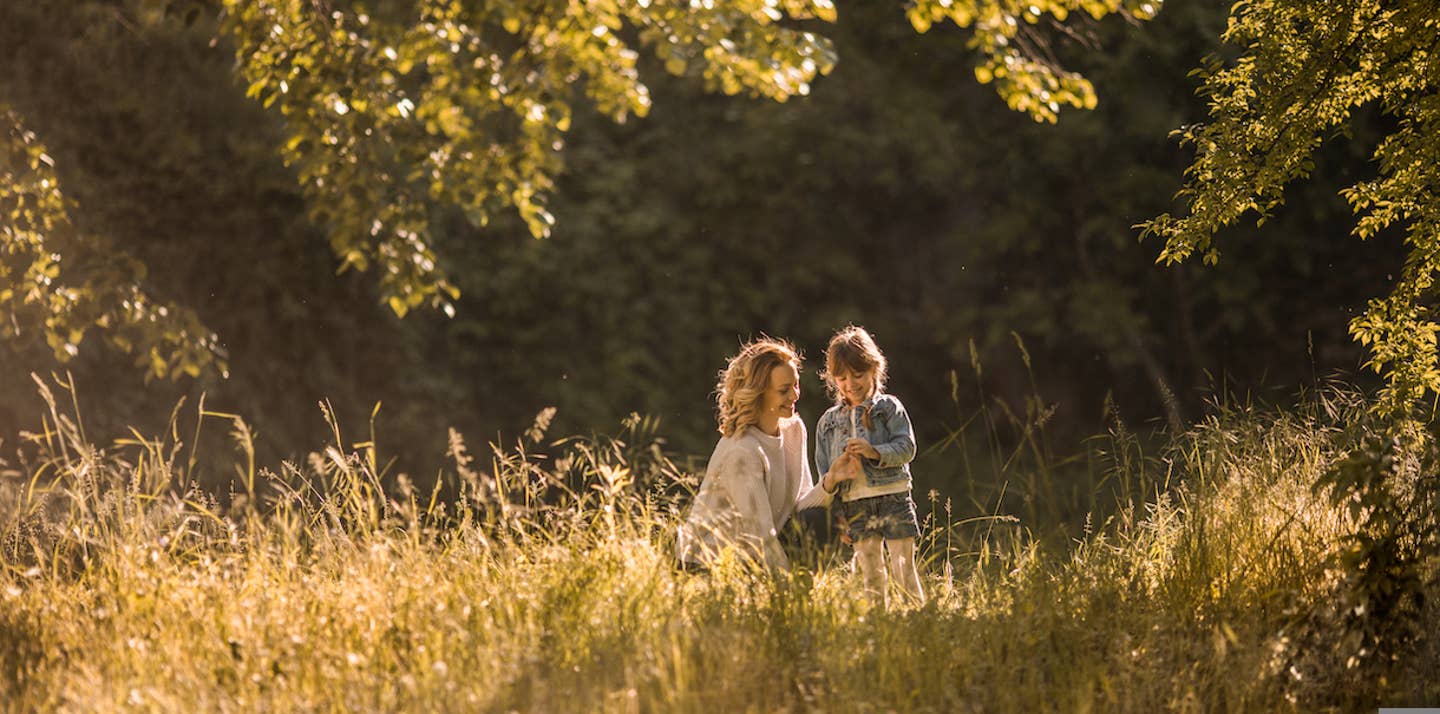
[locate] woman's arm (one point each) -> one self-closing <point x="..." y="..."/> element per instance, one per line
<point x="810" y="493"/>
<point x="823" y="493"/>
<point x="816" y="495"/>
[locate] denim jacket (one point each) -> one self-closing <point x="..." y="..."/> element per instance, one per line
<point x="890" y="433"/>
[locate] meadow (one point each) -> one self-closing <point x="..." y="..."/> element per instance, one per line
<point x="537" y="576"/>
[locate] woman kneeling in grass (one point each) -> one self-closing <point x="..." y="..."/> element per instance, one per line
<point x="759" y="474"/>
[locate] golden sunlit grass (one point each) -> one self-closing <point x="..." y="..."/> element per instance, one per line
<point x="543" y="582"/>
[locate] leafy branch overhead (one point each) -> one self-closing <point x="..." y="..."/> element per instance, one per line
<point x="1016" y="54"/>
<point x="398" y="111"/>
<point x="57" y="282"/>
<point x="1304" y="71"/>
<point x="395" y="109"/>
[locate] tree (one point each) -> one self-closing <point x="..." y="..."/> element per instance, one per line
<point x="56" y="281"/>
<point x="399" y="109"/>
<point x="1304" y="73"/>
<point x="1018" y="58"/>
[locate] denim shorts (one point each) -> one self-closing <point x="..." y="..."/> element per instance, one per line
<point x="891" y="517"/>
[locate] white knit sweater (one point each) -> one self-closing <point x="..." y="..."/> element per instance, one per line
<point x="753" y="483"/>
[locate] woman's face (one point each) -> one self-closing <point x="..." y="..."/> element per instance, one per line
<point x="855" y="387"/>
<point x="782" y="391"/>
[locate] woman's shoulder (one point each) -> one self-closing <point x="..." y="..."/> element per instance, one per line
<point x="793" y="426"/>
<point x="739" y="445"/>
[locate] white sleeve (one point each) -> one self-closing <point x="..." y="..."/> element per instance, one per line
<point x="811" y="493"/>
<point x="813" y="497"/>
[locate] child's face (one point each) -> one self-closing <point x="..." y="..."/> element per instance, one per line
<point x="855" y="387"/>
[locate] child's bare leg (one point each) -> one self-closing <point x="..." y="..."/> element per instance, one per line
<point x="870" y="560"/>
<point x="902" y="568"/>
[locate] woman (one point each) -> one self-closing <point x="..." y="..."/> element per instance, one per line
<point x="759" y="473"/>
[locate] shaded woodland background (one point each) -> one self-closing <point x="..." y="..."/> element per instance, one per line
<point x="900" y="195"/>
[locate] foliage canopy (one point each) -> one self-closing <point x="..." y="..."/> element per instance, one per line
<point x="1017" y="57"/>
<point x="99" y="285"/>
<point x="1304" y="73"/>
<point x="399" y="112"/>
<point x="394" y="109"/>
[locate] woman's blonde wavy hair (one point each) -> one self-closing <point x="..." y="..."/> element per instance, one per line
<point x="744" y="379"/>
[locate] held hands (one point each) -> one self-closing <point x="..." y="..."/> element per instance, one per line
<point x="861" y="447"/>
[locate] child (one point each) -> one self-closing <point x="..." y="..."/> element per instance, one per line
<point x="866" y="438"/>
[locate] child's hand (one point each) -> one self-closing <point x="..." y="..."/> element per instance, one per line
<point x="861" y="447"/>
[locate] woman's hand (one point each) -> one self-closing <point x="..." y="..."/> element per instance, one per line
<point x="861" y="447"/>
<point x="841" y="471"/>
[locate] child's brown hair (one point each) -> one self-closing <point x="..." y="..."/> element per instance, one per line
<point x="853" y="350"/>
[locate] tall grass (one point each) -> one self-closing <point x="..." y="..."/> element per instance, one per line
<point x="538" y="577"/>
<point x="1000" y="457"/>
